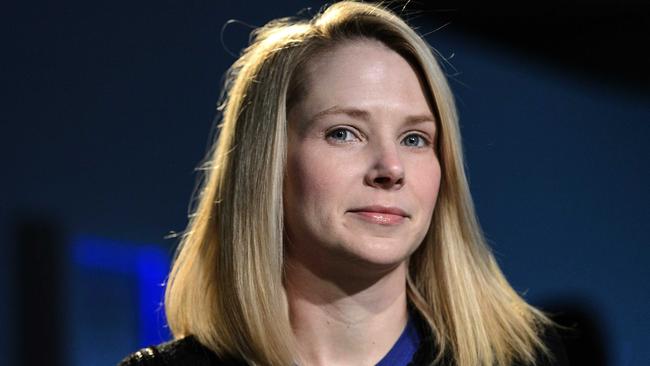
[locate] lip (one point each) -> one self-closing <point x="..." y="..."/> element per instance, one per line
<point x="381" y="215"/>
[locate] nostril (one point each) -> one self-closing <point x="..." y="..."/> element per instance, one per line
<point x="387" y="182"/>
<point x="382" y="180"/>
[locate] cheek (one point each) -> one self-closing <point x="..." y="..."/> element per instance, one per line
<point x="313" y="195"/>
<point x="309" y="182"/>
<point x="427" y="183"/>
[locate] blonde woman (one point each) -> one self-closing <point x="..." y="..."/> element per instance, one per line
<point x="335" y="224"/>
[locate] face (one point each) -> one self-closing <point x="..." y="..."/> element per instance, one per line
<point x="362" y="173"/>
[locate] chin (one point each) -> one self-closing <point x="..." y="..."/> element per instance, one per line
<point x="384" y="255"/>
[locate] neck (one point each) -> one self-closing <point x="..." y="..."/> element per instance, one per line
<point x="342" y="320"/>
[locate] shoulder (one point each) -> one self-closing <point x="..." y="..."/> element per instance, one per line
<point x="550" y="336"/>
<point x="184" y="351"/>
<point x="557" y="353"/>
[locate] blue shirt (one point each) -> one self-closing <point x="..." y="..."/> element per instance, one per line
<point x="403" y="350"/>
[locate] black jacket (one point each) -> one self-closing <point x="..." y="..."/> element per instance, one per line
<point x="188" y="351"/>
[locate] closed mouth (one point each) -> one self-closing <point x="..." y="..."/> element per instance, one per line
<point x="381" y="210"/>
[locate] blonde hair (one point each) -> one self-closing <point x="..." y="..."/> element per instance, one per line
<point x="225" y="287"/>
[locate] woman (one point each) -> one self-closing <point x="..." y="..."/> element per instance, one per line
<point x="335" y="224"/>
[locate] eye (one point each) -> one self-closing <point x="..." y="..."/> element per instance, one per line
<point x="341" y="135"/>
<point x="415" y="140"/>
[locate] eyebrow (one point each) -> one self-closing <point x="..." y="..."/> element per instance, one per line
<point x="363" y="115"/>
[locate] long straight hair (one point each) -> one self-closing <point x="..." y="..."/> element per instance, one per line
<point x="225" y="287"/>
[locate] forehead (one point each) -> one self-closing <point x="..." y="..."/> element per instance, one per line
<point x="358" y="72"/>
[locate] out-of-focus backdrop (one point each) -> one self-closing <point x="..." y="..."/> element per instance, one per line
<point x="108" y="108"/>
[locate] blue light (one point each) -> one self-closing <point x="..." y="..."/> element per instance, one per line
<point x="148" y="264"/>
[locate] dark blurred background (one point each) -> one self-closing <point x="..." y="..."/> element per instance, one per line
<point x="108" y="108"/>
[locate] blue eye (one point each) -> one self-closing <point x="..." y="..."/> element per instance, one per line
<point x="341" y="134"/>
<point x="414" y="140"/>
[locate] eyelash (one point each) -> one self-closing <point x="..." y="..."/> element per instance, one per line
<point x="425" y="141"/>
<point x="330" y="136"/>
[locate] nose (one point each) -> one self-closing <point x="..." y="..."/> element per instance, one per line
<point x="386" y="170"/>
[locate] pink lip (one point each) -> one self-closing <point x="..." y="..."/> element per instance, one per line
<point x="381" y="215"/>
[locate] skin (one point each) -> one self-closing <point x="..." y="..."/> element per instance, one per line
<point x="361" y="140"/>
